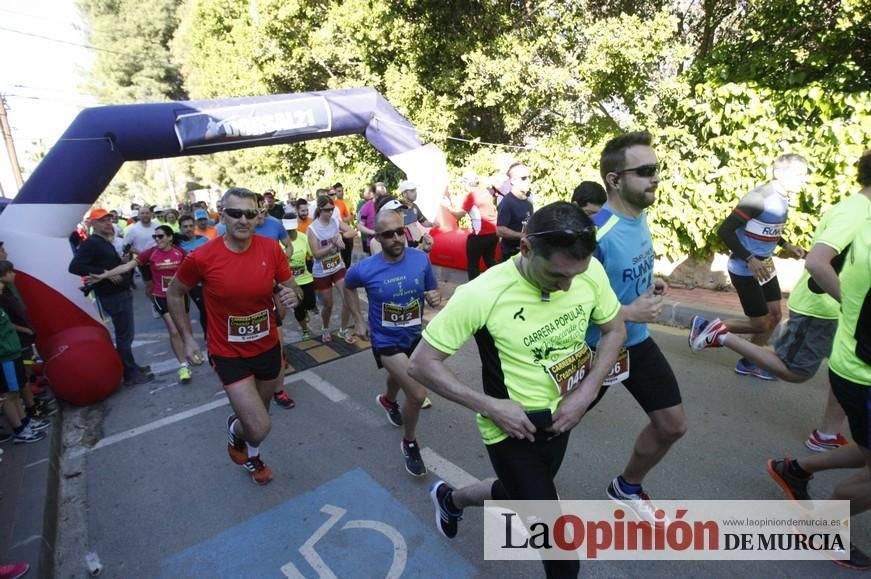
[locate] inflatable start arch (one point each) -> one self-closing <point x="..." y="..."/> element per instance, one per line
<point x="36" y="225"/>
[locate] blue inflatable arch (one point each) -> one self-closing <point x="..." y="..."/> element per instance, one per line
<point x="36" y="225"/>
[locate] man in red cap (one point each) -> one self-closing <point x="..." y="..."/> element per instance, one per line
<point x="96" y="254"/>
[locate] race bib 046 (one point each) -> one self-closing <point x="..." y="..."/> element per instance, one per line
<point x="248" y="328"/>
<point x="396" y="316"/>
<point x="570" y="371"/>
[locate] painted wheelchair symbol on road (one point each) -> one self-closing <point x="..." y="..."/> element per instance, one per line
<point x="400" y="550"/>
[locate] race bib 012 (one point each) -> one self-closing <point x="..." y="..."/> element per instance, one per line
<point x="248" y="328"/>
<point x="396" y="316"/>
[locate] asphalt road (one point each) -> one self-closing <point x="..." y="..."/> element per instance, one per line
<point x="163" y="500"/>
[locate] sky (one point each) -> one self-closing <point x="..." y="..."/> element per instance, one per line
<point x="40" y="78"/>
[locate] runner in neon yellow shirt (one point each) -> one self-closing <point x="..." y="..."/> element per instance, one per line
<point x="529" y="316"/>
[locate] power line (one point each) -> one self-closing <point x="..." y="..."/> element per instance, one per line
<point x="69" y="42"/>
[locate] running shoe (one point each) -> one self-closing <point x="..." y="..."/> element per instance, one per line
<point x="28" y="436"/>
<point x="326" y="336"/>
<point x="41" y="410"/>
<point x="38" y="425"/>
<point x="391" y="409"/>
<point x="705" y="334"/>
<point x="184" y="375"/>
<point x="816" y="443"/>
<point x="306" y="335"/>
<point x="14" y="570"/>
<point x="427" y="403"/>
<point x="445" y="519"/>
<point x="346" y="335"/>
<point x="235" y="445"/>
<point x="283" y="400"/>
<point x="138" y="378"/>
<point x="745" y="368"/>
<point x="639" y="503"/>
<point x="260" y="473"/>
<point x="858" y="560"/>
<point x="794" y="487"/>
<point x="46" y="405"/>
<point x="413" y="461"/>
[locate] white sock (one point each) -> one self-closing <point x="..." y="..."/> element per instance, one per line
<point x="183" y="364"/>
<point x="253" y="450"/>
<point x="721" y="339"/>
<point x="232" y="426"/>
<point x="826" y="436"/>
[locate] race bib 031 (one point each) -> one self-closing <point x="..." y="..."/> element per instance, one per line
<point x="248" y="328"/>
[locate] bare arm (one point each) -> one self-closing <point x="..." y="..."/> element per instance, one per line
<point x="119" y="270"/>
<point x="575" y="404"/>
<point x="507" y="233"/>
<point x="317" y="251"/>
<point x="819" y="265"/>
<point x="427" y="366"/>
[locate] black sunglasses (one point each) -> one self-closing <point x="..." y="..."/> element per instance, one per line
<point x="238" y="213"/>
<point x="642" y="170"/>
<point x="158" y="236"/>
<point x="391" y="233"/>
<point x="566" y="236"/>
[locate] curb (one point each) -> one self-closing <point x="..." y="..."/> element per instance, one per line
<point x="45" y="565"/>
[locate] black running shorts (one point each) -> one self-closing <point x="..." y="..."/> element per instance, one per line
<point x="754" y="297"/>
<point x="392" y="351"/>
<point x="265" y="366"/>
<point x="651" y="380"/>
<point x="163" y="309"/>
<point x="855" y="399"/>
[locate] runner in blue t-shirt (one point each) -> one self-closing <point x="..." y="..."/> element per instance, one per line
<point x="630" y="170"/>
<point x="397" y="281"/>
<point x="189" y="241"/>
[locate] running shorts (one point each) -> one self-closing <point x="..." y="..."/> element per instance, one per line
<point x="265" y="366"/>
<point x="855" y="399"/>
<point x="805" y="342"/>
<point x="392" y="351"/>
<point x="11" y="376"/>
<point x="754" y="297"/>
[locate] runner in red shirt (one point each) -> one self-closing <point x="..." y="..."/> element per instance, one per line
<point x="162" y="260"/>
<point x="240" y="272"/>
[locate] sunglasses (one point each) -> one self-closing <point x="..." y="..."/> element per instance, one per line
<point x="642" y="171"/>
<point x="524" y="178"/>
<point x="158" y="236"/>
<point x="391" y="233"/>
<point x="327" y="208"/>
<point x="566" y="236"/>
<point x="239" y="213"/>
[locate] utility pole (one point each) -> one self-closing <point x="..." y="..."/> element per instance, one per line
<point x="10" y="144"/>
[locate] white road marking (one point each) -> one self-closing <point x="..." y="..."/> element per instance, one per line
<point x="164" y="366"/>
<point x="166" y="421"/>
<point x="137" y="343"/>
<point x="446" y="470"/>
<point x="36" y="463"/>
<point x="328" y="390"/>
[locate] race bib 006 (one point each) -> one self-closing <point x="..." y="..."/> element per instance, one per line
<point x="570" y="371"/>
<point x="248" y="328"/>
<point x="396" y="316"/>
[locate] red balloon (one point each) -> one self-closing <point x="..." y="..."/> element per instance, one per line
<point x="82" y="365"/>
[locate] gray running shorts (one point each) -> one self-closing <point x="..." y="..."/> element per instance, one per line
<point x="805" y="342"/>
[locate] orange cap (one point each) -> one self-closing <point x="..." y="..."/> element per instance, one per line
<point x="97" y="213"/>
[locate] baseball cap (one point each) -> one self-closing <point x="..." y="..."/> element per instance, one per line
<point x="407" y="186"/>
<point x="392" y="205"/>
<point x="97" y="213"/>
<point x="201" y="214"/>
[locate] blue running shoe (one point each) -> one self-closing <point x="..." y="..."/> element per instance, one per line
<point x="745" y="368"/>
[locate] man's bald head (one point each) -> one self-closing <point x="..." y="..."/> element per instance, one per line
<point x="387" y="219"/>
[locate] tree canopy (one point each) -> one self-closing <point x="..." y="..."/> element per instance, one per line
<point x="724" y="85"/>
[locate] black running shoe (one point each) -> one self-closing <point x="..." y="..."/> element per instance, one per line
<point x="391" y="409"/>
<point x="445" y="519"/>
<point x="413" y="461"/>
<point x="858" y="560"/>
<point x="794" y="487"/>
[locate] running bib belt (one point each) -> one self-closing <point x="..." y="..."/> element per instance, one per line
<point x="248" y="328"/>
<point x="397" y="316"/>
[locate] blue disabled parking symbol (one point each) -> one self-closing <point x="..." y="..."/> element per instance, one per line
<point x="348" y="527"/>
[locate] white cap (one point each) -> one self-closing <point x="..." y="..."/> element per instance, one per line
<point x="407" y="186"/>
<point x="289" y="224"/>
<point x="391" y="205"/>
